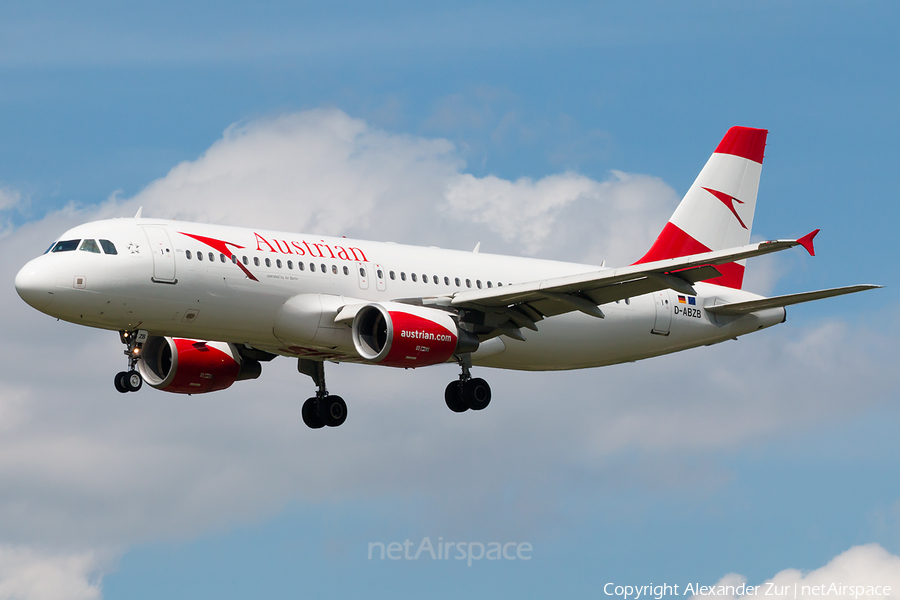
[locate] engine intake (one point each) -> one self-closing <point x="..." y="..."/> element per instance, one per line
<point x="185" y="366"/>
<point x="400" y="335"/>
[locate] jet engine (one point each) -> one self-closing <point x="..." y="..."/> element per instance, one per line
<point x="401" y="335"/>
<point x="185" y="366"/>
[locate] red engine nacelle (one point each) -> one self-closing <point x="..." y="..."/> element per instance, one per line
<point x="401" y="335"/>
<point x="193" y="366"/>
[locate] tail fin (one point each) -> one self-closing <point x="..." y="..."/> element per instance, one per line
<point x="717" y="212"/>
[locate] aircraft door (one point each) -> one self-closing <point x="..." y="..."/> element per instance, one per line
<point x="163" y="254"/>
<point x="380" y="283"/>
<point x="363" y="273"/>
<point x="663" y="313"/>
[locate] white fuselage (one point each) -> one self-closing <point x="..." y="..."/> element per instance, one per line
<point x="156" y="282"/>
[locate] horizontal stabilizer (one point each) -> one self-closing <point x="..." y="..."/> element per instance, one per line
<point x="741" y="308"/>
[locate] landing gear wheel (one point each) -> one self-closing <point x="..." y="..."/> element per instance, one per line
<point x="310" y="414"/>
<point x="332" y="410"/>
<point x="453" y="397"/>
<point x="133" y="381"/>
<point x="476" y="393"/>
<point x="121" y="381"/>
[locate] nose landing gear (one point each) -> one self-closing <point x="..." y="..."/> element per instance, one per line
<point x="131" y="380"/>
<point x="322" y="409"/>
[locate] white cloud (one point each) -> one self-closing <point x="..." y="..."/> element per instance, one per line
<point x="860" y="572"/>
<point x="568" y="214"/>
<point x="27" y="574"/>
<point x="318" y="170"/>
<point x="9" y="198"/>
<point x="323" y="171"/>
<point x="85" y="466"/>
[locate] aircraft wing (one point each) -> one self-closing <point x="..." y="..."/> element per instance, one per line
<point x="527" y="303"/>
<point x="740" y="308"/>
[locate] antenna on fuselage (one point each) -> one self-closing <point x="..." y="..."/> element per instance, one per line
<point x="477" y="248"/>
<point x="137" y="215"/>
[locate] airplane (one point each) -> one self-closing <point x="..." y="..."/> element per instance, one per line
<point x="200" y="306"/>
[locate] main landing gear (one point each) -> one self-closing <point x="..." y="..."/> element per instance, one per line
<point x="322" y="409"/>
<point x="131" y="380"/>
<point x="468" y="392"/>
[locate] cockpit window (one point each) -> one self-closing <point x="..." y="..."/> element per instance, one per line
<point x="108" y="247"/>
<point x="50" y="248"/>
<point x="90" y="246"/>
<point x="66" y="245"/>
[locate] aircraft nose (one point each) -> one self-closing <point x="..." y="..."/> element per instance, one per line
<point x="35" y="283"/>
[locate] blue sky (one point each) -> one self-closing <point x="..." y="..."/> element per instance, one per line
<point x="774" y="452"/>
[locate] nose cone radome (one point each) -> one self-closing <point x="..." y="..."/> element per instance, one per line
<point x="36" y="282"/>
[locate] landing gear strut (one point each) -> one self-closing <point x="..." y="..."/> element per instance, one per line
<point x="322" y="409"/>
<point x="468" y="392"/>
<point x="131" y="380"/>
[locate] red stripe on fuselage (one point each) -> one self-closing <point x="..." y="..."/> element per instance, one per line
<point x="222" y="246"/>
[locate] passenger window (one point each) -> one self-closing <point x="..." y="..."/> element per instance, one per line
<point x="187" y="254"/>
<point x="234" y="258"/>
<point x="402" y="275"/>
<point x="300" y="265"/>
<point x="244" y="260"/>
<point x="362" y="272"/>
<point x="312" y="267"/>
<point x="90" y="246"/>
<point x="424" y="278"/>
<point x="499" y="284"/>
<point x="324" y="268"/>
<point x="66" y="246"/>
<point x="380" y="274"/>
<point x="334" y="269"/>
<point x="278" y="263"/>
<point x="290" y="265"/>
<point x="199" y="256"/>
<point x="108" y="247"/>
<point x="413" y="275"/>
<point x="478" y="283"/>
<point x="456" y="281"/>
<point x="489" y="284"/>
<point x="221" y="258"/>
<point x="268" y="263"/>
<point x="392" y="276"/>
<point x="212" y="258"/>
<point x="346" y="270"/>
<point x="256" y="260"/>
<point x="468" y="283"/>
